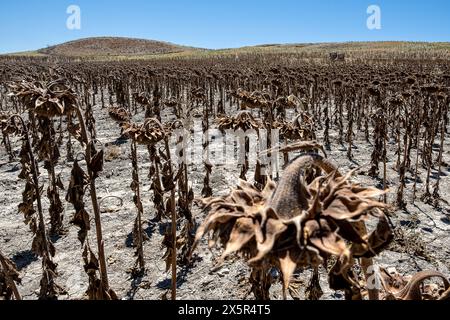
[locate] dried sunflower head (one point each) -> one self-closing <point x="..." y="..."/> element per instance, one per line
<point x="398" y="287"/>
<point x="171" y="103"/>
<point x="119" y="115"/>
<point x="149" y="133"/>
<point x="10" y="125"/>
<point x="46" y="100"/>
<point x="295" y="224"/>
<point x="252" y="100"/>
<point x="289" y="102"/>
<point x="301" y="128"/>
<point x="142" y="98"/>
<point x="242" y="120"/>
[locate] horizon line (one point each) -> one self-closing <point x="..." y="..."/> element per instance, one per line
<point x="230" y="48"/>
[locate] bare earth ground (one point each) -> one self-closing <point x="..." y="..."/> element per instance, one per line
<point x="424" y="229"/>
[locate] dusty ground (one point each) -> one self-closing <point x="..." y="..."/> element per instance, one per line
<point x="425" y="229"/>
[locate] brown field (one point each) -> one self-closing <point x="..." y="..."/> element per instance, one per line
<point x="94" y="194"/>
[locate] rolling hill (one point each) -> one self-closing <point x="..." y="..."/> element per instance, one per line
<point x="112" y="47"/>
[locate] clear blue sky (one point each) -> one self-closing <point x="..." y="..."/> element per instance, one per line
<point x="33" y="24"/>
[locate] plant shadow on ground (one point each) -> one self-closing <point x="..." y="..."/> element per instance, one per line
<point x="435" y="175"/>
<point x="129" y="240"/>
<point x="14" y="168"/>
<point x="120" y="141"/>
<point x="151" y="226"/>
<point x="181" y="278"/>
<point x="24" y="258"/>
<point x="136" y="280"/>
<point x="356" y="163"/>
<point x="163" y="226"/>
<point x="411" y="220"/>
<point x="379" y="181"/>
<point x="55" y="237"/>
<point x="445" y="220"/>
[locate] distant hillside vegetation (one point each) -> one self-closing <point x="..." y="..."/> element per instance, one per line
<point x="116" y="48"/>
<point x="112" y="46"/>
<point x="380" y="49"/>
